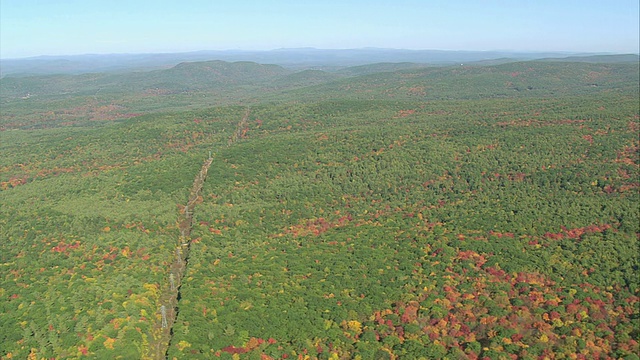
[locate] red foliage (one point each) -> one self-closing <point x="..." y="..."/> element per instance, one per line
<point x="472" y="355"/>
<point x="410" y="312"/>
<point x="14" y="181"/>
<point x="577" y="233"/>
<point x="405" y="113"/>
<point x="469" y="319"/>
<point x="83" y="349"/>
<point x="495" y="272"/>
<point x="317" y="226"/>
<point x="234" y="350"/>
<point x="501" y="235"/>
<point x="64" y="247"/>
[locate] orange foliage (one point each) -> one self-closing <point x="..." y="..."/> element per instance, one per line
<point x="405" y="113"/>
<point x="577" y="233"/>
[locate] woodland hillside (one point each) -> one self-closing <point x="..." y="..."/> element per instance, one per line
<point x="240" y="210"/>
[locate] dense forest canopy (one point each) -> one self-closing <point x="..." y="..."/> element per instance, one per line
<point x="389" y="211"/>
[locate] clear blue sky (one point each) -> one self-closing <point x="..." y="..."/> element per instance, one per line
<point x="63" y="27"/>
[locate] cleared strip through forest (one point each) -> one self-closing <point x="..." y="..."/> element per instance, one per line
<point x="170" y="297"/>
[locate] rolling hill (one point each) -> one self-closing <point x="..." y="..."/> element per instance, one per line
<point x="296" y="59"/>
<point x="392" y="211"/>
<point x="71" y="98"/>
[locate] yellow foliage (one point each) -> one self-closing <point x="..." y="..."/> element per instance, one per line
<point x="32" y="355"/>
<point x="117" y="322"/>
<point x="183" y="345"/>
<point x="152" y="288"/>
<point x="108" y="344"/>
<point x="141" y="300"/>
<point x="544" y="338"/>
<point x="355" y="325"/>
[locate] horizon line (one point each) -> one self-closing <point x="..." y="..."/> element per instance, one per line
<point x="563" y="52"/>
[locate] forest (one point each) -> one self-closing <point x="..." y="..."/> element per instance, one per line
<point x="386" y="211"/>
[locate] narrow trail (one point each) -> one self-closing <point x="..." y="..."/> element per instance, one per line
<point x="170" y="295"/>
<point x="241" y="129"/>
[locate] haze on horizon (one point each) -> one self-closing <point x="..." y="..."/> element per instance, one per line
<point x="70" y="27"/>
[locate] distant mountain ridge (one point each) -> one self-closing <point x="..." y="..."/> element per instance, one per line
<point x="508" y="80"/>
<point x="182" y="78"/>
<point x="298" y="59"/>
<point x="244" y="77"/>
<point x="609" y="59"/>
<point x="188" y="85"/>
<point x="205" y="74"/>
